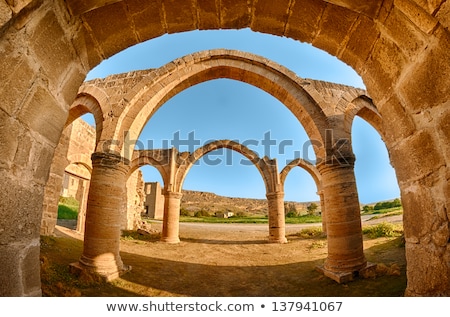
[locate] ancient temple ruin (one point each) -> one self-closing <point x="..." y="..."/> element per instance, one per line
<point x="399" y="48"/>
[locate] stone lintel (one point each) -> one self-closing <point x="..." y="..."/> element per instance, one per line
<point x="346" y="277"/>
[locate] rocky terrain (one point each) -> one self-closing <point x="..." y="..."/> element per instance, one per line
<point x="196" y="200"/>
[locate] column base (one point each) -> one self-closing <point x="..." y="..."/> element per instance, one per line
<point x="79" y="269"/>
<point x="345" y="277"/>
<point x="170" y="240"/>
<point x="278" y="240"/>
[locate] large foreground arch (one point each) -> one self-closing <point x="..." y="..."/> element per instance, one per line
<point x="400" y="48"/>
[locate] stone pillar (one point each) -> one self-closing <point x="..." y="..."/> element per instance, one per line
<point x="171" y="221"/>
<point x="83" y="207"/>
<point x="323" y="211"/>
<point x="105" y="206"/>
<point x="343" y="222"/>
<point x="277" y="227"/>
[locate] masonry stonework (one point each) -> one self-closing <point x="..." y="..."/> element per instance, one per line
<point x="154" y="201"/>
<point x="400" y="48"/>
<point x="70" y="175"/>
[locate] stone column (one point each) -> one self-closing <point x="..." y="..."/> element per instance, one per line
<point x="343" y="221"/>
<point x="105" y="205"/>
<point x="323" y="211"/>
<point x="83" y="207"/>
<point x="171" y="220"/>
<point x="277" y="227"/>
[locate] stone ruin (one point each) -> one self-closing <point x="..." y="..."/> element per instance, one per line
<point x="400" y="48"/>
<point x="70" y="176"/>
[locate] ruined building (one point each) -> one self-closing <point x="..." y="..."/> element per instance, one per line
<point x="400" y="48"/>
<point x="70" y="177"/>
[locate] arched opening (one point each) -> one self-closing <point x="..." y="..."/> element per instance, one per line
<point x="233" y="177"/>
<point x="71" y="163"/>
<point x="227" y="109"/>
<point x="375" y="177"/>
<point x="153" y="194"/>
<point x="381" y="40"/>
<point x="301" y="192"/>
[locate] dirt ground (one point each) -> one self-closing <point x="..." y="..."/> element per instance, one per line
<point x="227" y="260"/>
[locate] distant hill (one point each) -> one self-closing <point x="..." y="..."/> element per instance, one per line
<point x="197" y="200"/>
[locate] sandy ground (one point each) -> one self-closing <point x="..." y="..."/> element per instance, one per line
<point x="236" y="260"/>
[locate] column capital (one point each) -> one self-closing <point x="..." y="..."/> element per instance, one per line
<point x="172" y="194"/>
<point x="277" y="194"/>
<point x="103" y="158"/>
<point x="341" y="162"/>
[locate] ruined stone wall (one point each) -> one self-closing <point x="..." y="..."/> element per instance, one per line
<point x="70" y="176"/>
<point x="135" y="201"/>
<point x="154" y="200"/>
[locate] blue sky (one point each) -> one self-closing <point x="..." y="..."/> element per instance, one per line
<point x="227" y="109"/>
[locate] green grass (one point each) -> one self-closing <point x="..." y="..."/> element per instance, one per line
<point x="68" y="208"/>
<point x="399" y="210"/>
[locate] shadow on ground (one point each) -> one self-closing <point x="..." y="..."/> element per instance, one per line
<point x="217" y="267"/>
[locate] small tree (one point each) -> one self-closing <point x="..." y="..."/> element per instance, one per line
<point x="290" y="210"/>
<point x="312" y="208"/>
<point x="396" y="203"/>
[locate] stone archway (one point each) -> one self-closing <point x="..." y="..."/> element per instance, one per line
<point x="147" y="94"/>
<point x="399" y="48"/>
<point x="268" y="169"/>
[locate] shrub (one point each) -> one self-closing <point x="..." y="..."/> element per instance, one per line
<point x="292" y="214"/>
<point x="184" y="212"/>
<point x="240" y="214"/>
<point x="312" y="232"/>
<point x="382" y="230"/>
<point x="388" y="204"/>
<point x="202" y="213"/>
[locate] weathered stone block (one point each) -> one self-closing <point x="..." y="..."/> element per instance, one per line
<point x="335" y="23"/>
<point x="42" y="113"/>
<point x="304" y="20"/>
<point x="10" y="279"/>
<point x="109" y="30"/>
<point x="179" y="16"/>
<point x="5" y="13"/>
<point x="208" y="15"/>
<point x="360" y="43"/>
<point x="427" y="86"/>
<point x="19" y="228"/>
<point x="397" y="123"/>
<point x="419" y="212"/>
<point x="424" y="271"/>
<point x="405" y="34"/>
<point x="31" y="263"/>
<point x="416" y="156"/>
<point x="235" y="14"/>
<point x="22" y="156"/>
<point x="443" y="15"/>
<point x="269" y="18"/>
<point x="17" y="77"/>
<point x="383" y="68"/>
<point x="9" y="128"/>
<point x="52" y="49"/>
